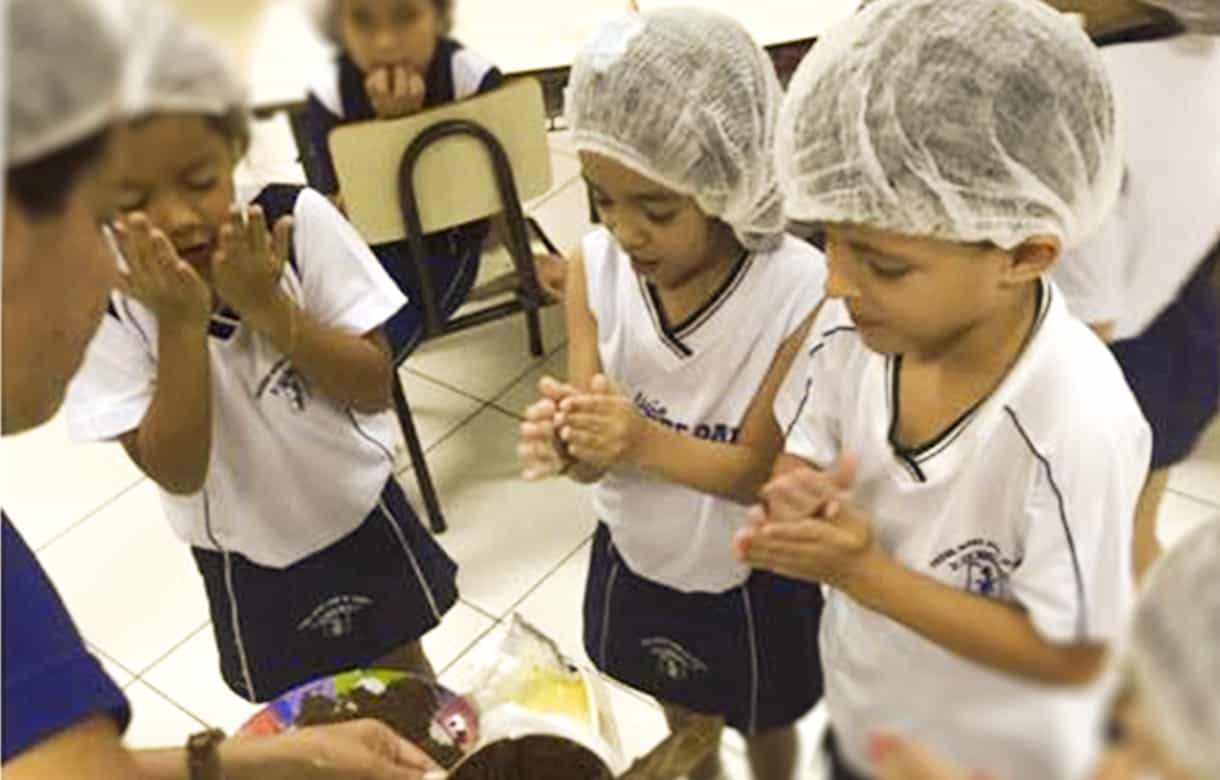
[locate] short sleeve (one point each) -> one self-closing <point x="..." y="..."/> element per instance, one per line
<point x="473" y="74"/>
<point x="343" y="284"/>
<point x="114" y="387"/>
<point x="807" y="404"/>
<point x="1091" y="276"/>
<point x="1075" y="577"/>
<point x="51" y="682"/>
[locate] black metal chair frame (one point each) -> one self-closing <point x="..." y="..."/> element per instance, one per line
<point x="529" y="299"/>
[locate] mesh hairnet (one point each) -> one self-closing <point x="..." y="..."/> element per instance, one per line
<point x="63" y="76"/>
<point x="173" y="66"/>
<point x="1201" y="16"/>
<point x="686" y="98"/>
<point x="981" y="121"/>
<point x="1175" y="650"/>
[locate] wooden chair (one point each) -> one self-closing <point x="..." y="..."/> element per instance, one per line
<point x="411" y="177"/>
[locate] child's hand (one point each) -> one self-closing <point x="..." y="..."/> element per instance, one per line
<point x="835" y="551"/>
<point x="603" y="427"/>
<point x="805" y="493"/>
<point x="395" y="91"/>
<point x="246" y="269"/>
<point x="541" y="452"/>
<point x="158" y="278"/>
<point x="894" y="757"/>
<point x="552" y="273"/>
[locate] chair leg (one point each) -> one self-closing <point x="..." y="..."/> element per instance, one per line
<point x="423" y="476"/>
<point x="534" y="325"/>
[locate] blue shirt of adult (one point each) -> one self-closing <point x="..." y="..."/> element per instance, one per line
<point x="51" y="681"/>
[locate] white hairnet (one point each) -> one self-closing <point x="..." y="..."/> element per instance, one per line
<point x="980" y="121"/>
<point x="63" y="76"/>
<point x="1175" y="650"/>
<point x="1201" y="16"/>
<point x="686" y="98"/>
<point x="173" y="66"/>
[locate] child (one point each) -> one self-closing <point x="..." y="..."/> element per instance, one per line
<point x="976" y="540"/>
<point x="679" y="312"/>
<point x="1145" y="283"/>
<point x="396" y="59"/>
<point x="248" y="377"/>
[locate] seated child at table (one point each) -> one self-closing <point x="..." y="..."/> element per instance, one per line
<point x="395" y="59"/>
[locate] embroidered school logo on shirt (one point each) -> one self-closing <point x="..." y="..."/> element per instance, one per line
<point x="980" y="566"/>
<point x="654" y="409"/>
<point x="673" y="660"/>
<point x="291" y="386"/>
<point x="285" y="382"/>
<point x="333" y="618"/>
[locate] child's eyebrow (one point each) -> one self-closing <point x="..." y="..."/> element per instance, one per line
<point x="649" y="196"/>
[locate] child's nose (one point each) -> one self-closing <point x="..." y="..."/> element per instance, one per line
<point x="839" y="284"/>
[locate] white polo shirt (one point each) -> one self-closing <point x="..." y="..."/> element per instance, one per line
<point x="698" y="377"/>
<point x="1028" y="499"/>
<point x="291" y="471"/>
<point x="1168" y="217"/>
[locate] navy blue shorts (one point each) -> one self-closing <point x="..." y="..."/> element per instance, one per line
<point x="382" y="586"/>
<point x="1173" y="367"/>
<point x="749" y="654"/>
<point x="452" y="275"/>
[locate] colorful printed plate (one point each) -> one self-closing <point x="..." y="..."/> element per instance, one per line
<point x="455" y="717"/>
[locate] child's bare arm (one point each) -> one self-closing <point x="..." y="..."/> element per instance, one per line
<point x="611" y="430"/>
<point x="173" y="444"/>
<point x="986" y="631"/>
<point x="353" y="369"/>
<point x="841" y="551"/>
<point x="584" y="360"/>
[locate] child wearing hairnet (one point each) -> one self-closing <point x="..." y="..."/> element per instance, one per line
<point x="242" y="366"/>
<point x="395" y="59"/>
<point x="1146" y="281"/>
<point x="684" y="313"/>
<point x="963" y="456"/>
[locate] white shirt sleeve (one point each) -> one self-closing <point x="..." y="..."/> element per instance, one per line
<point x="1092" y="276"/>
<point x="469" y="70"/>
<point x="113" y="389"/>
<point x="1075" y="579"/>
<point x="343" y="284"/>
<point x="807" y="403"/>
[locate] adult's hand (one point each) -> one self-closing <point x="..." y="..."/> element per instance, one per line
<point x="359" y="750"/>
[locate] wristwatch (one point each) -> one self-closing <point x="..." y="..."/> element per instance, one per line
<point x="203" y="755"/>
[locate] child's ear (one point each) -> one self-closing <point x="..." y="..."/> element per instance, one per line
<point x="1033" y="258"/>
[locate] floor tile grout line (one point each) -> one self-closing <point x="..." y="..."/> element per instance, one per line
<point x="89" y="515"/>
<point x="440" y="383"/>
<point x="1194" y="498"/>
<point x="542" y="581"/>
<point x="465" y="650"/>
<point x="104" y="656"/>
<point x="484" y="613"/>
<point x="178" y="646"/>
<point x="176" y="704"/>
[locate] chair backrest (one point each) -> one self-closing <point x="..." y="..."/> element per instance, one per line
<point x="454" y="180"/>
